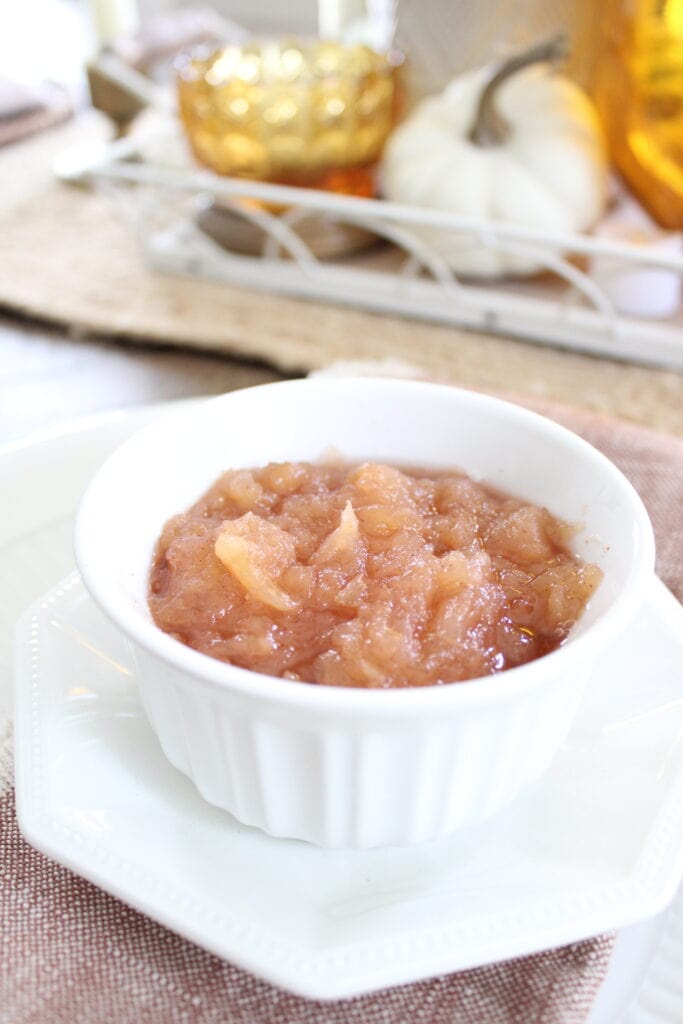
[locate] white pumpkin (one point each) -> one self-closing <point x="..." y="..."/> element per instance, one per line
<point x="539" y="159"/>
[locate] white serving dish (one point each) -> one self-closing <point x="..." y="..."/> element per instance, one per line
<point x="594" y="845"/>
<point x="343" y="767"/>
<point x="610" y="856"/>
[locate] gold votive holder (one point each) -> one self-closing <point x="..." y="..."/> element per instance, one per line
<point x="314" y="114"/>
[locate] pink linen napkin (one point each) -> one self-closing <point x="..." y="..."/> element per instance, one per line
<point x="25" y="110"/>
<point x="70" y="953"/>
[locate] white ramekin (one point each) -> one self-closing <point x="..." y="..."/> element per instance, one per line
<point x="336" y="766"/>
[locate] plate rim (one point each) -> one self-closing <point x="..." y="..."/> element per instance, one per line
<point x="324" y="974"/>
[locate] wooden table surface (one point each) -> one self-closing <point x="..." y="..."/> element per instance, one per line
<point x="47" y="378"/>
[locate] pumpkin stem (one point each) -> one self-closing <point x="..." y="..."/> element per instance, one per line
<point x="489" y="128"/>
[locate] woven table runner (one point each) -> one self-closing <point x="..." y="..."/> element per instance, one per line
<point x="71" y="257"/>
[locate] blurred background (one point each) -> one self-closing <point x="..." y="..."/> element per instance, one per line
<point x="555" y="128"/>
<point x="52" y="38"/>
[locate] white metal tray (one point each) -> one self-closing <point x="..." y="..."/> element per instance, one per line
<point x="162" y="193"/>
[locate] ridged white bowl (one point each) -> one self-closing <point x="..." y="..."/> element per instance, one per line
<point x="343" y="767"/>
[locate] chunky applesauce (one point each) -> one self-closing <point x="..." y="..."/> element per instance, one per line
<point x="366" y="576"/>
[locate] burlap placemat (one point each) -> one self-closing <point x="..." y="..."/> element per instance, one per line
<point x="74" y="954"/>
<point x="68" y="257"/>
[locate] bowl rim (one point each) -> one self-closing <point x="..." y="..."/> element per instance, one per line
<point x="388" y="61"/>
<point x="222" y="676"/>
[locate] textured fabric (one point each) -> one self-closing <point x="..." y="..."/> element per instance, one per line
<point x="73" y="955"/>
<point x="24" y="111"/>
<point x="70" y="954"/>
<point x="653" y="463"/>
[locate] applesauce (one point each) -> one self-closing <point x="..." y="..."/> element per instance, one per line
<point x="366" y="576"/>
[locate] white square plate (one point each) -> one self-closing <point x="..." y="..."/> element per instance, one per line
<point x="596" y="844"/>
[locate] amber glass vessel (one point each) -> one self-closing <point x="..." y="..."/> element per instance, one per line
<point x="639" y="93"/>
<point x="302" y="113"/>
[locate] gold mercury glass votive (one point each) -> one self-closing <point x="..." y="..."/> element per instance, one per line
<point x="315" y="114"/>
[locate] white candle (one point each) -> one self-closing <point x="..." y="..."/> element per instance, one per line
<point x="112" y="18"/>
<point x="634" y="289"/>
<point x="335" y="15"/>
